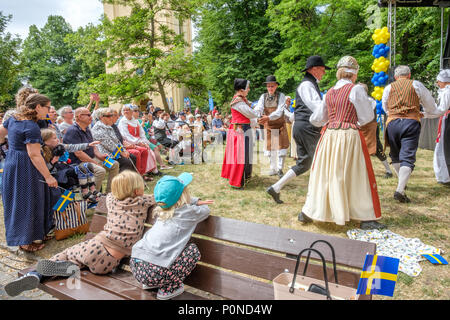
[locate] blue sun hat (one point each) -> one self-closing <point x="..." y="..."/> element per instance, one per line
<point x="169" y="189"/>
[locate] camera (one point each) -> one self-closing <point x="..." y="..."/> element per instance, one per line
<point x="59" y="150"/>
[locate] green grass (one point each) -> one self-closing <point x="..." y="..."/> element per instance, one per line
<point x="427" y="217"/>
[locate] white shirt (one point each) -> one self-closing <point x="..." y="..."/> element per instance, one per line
<point x="159" y="123"/>
<point x="425" y="98"/>
<point x="309" y="95"/>
<point x="246" y="111"/>
<point x="444" y="103"/>
<point x="363" y="104"/>
<point x="123" y="128"/>
<point x="278" y="112"/>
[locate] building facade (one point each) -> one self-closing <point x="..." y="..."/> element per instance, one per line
<point x="174" y="94"/>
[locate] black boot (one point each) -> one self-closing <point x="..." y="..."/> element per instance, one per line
<point x="275" y="196"/>
<point x="401" y="197"/>
<point x="303" y="218"/>
<point x="368" y="225"/>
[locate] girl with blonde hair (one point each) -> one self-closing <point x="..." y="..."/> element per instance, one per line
<point x="127" y="212"/>
<point x="162" y="259"/>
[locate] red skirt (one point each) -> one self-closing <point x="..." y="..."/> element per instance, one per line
<point x="234" y="159"/>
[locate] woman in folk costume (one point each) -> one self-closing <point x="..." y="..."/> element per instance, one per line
<point x="342" y="185"/>
<point x="237" y="162"/>
<point x="441" y="160"/>
<point x="134" y="134"/>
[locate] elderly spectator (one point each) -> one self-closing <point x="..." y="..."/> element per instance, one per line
<point x="53" y="116"/>
<point x="79" y="132"/>
<point x="218" y="127"/>
<point x="109" y="140"/>
<point x="26" y="200"/>
<point x="67" y="114"/>
<point x="134" y="134"/>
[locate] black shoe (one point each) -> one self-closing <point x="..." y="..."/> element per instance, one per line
<point x="16" y="287"/>
<point x="303" y="218"/>
<point x="388" y="175"/>
<point x="368" y="225"/>
<point x="401" y="197"/>
<point x="171" y="163"/>
<point x="158" y="174"/>
<point x="56" y="268"/>
<point x="280" y="173"/>
<point x="275" y="196"/>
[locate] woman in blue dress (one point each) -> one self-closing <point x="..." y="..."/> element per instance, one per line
<point x="26" y="200"/>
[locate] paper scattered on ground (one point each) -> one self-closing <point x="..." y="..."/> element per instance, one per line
<point x="408" y="250"/>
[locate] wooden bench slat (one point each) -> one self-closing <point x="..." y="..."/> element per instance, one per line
<point x="263" y="265"/>
<point x="128" y="278"/>
<point x="348" y="252"/>
<point x="228" y="285"/>
<point x="58" y="288"/>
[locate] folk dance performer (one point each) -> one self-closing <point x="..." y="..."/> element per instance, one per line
<point x="441" y="159"/>
<point x="272" y="104"/>
<point x="342" y="184"/>
<point x="237" y="161"/>
<point x="401" y="102"/>
<point x="306" y="136"/>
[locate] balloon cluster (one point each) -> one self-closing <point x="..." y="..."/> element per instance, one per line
<point x="380" y="66"/>
<point x="381" y="35"/>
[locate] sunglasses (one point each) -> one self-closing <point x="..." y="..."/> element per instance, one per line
<point x="108" y="115"/>
<point x="86" y="114"/>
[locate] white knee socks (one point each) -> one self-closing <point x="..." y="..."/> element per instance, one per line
<point x="285" y="179"/>
<point x="403" y="177"/>
<point x="281" y="162"/>
<point x="396" y="167"/>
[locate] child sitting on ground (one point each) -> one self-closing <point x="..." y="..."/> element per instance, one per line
<point x="127" y="212"/>
<point x="161" y="258"/>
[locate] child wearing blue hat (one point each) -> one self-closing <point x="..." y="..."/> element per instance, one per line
<point x="162" y="259"/>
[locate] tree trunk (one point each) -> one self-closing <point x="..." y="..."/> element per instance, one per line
<point x="163" y="96"/>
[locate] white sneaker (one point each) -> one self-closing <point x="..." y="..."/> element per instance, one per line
<point x="167" y="296"/>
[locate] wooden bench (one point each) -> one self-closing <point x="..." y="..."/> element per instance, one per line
<point x="239" y="261"/>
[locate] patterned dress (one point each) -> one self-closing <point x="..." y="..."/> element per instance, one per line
<point x="26" y="200"/>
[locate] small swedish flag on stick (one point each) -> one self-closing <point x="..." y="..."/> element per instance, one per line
<point x="435" y="258"/>
<point x="109" y="162"/>
<point x="378" y="276"/>
<point x="117" y="152"/>
<point x="66" y="198"/>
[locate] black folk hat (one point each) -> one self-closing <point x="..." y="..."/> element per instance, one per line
<point x="240" y="84"/>
<point x="270" y="79"/>
<point x="315" y="61"/>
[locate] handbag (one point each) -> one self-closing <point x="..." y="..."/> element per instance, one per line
<point x="71" y="221"/>
<point x="288" y="286"/>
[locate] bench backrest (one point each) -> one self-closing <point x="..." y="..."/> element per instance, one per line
<point x="240" y="259"/>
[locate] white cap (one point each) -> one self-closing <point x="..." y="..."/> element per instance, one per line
<point x="444" y="75"/>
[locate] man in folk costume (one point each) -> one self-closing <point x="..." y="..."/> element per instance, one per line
<point x="401" y="102"/>
<point x="371" y="134"/>
<point x="306" y="136"/>
<point x="441" y="159"/>
<point x="237" y="162"/>
<point x="272" y="104"/>
<point x="342" y="184"/>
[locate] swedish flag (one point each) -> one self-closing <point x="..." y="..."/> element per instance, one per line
<point x="109" y="162"/>
<point x="378" y="275"/>
<point x="66" y="198"/>
<point x="435" y="258"/>
<point x="117" y="152"/>
<point x="47" y="117"/>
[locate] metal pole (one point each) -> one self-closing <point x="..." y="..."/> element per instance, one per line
<point x="441" y="61"/>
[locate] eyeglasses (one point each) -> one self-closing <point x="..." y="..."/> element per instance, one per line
<point x="108" y="115"/>
<point x="86" y="114"/>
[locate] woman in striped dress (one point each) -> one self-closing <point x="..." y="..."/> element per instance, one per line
<point x="342" y="184"/>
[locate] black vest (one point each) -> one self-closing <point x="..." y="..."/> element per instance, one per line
<point x="302" y="112"/>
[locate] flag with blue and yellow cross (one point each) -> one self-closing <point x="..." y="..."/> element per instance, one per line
<point x="435" y="258"/>
<point x="117" y="151"/>
<point x="66" y="198"/>
<point x="109" y="162"/>
<point x="47" y="117"/>
<point x="378" y="275"/>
